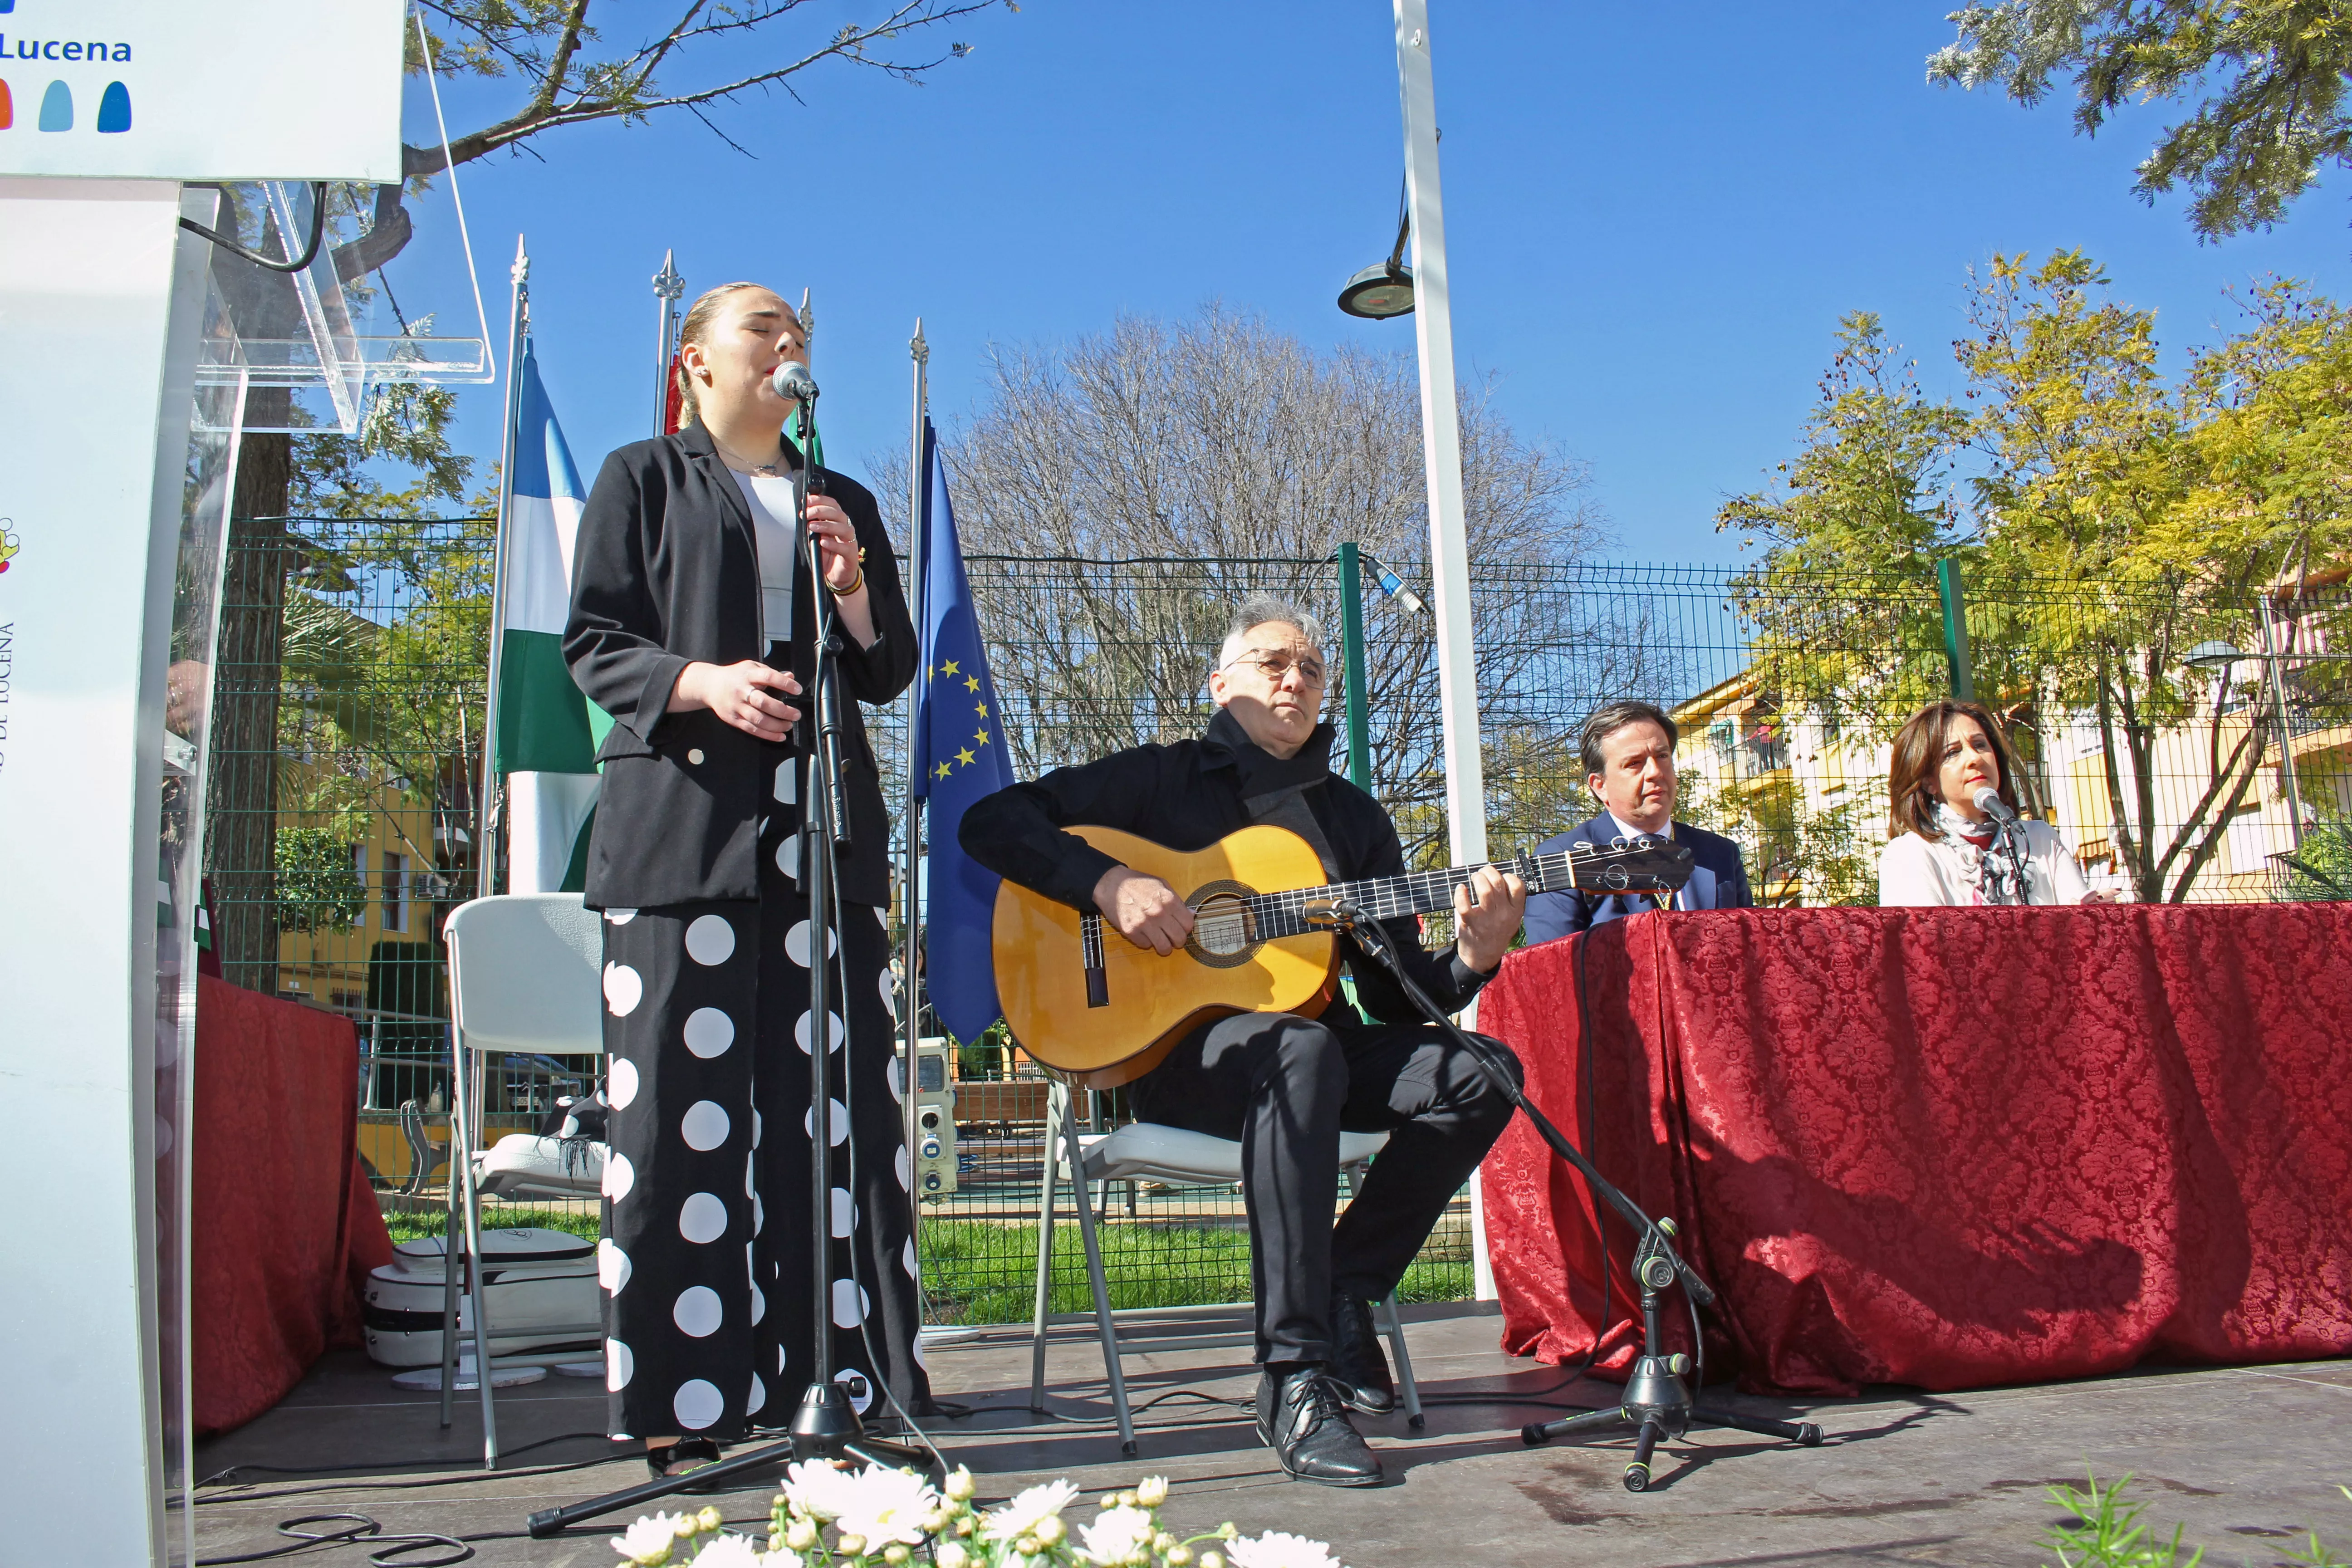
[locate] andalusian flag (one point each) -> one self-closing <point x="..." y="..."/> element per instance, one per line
<point x="547" y="732"/>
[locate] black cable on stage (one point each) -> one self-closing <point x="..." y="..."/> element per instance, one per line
<point x="216" y="1477"/>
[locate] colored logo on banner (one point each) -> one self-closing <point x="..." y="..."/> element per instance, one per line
<point x="9" y="545"/>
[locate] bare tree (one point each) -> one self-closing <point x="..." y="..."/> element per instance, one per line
<point x="1116" y="494"/>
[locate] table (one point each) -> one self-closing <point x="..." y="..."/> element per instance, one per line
<point x="1942" y="1147"/>
<point x="284" y="1225"/>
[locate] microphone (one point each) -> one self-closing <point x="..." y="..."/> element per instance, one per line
<point x="1988" y="800"/>
<point x="794" y="383"/>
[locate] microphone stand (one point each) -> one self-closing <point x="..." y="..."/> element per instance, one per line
<point x="826" y="1424"/>
<point x="1657" y="1403"/>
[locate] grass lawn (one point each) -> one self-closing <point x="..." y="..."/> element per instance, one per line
<point x="978" y="1272"/>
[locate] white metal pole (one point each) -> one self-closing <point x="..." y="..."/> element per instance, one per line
<point x="1449" y="549"/>
<point x="486" y="862"/>
<point x="910" y="904"/>
<point x="1441" y="441"/>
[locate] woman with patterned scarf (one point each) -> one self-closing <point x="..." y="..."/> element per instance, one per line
<point x="1946" y="848"/>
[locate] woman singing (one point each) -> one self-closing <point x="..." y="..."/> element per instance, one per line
<point x="690" y="626"/>
<point x="1945" y="849"/>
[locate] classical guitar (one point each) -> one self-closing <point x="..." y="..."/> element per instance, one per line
<point x="1082" y="999"/>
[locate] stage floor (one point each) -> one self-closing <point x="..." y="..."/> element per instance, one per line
<point x="2246" y="1457"/>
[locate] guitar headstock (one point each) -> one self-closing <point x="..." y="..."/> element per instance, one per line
<point x="1643" y="865"/>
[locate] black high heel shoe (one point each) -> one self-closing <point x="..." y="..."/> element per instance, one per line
<point x="681" y="1457"/>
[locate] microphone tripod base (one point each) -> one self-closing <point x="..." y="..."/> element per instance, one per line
<point x="1658" y="1405"/>
<point x="826" y="1427"/>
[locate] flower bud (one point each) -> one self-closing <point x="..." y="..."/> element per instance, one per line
<point x="800" y="1536"/>
<point x="1050" y="1528"/>
<point x="895" y="1553"/>
<point x="951" y="1554"/>
<point x="961" y="1485"/>
<point x="1026" y="1546"/>
<point x="709" y="1518"/>
<point x="1163" y="1542"/>
<point x="1177" y="1555"/>
<point x="1213" y="1560"/>
<point x="1125" y="1499"/>
<point x="775" y="1542"/>
<point x="1151" y="1492"/>
<point x="851" y="1546"/>
<point x="965" y="1525"/>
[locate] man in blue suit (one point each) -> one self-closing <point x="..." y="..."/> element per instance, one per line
<point x="1628" y="752"/>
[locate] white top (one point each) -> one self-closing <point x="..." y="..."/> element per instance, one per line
<point x="1915" y="871"/>
<point x="771" y="498"/>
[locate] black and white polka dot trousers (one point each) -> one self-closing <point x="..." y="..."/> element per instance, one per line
<point x="704" y="1264"/>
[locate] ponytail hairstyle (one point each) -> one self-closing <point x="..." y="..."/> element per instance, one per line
<point x="692" y="331"/>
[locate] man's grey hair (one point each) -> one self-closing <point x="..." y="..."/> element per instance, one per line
<point x="1257" y="610"/>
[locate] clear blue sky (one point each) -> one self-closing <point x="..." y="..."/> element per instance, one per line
<point x="1655" y="214"/>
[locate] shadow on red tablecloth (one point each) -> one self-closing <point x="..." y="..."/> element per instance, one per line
<point x="1947" y="1148"/>
<point x="284" y="1227"/>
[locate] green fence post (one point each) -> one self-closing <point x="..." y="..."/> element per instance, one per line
<point x="1956" y="628"/>
<point x="1352" y="634"/>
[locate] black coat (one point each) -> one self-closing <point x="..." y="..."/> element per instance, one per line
<point x="666" y="573"/>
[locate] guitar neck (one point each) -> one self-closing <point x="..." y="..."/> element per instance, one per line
<point x="1393" y="898"/>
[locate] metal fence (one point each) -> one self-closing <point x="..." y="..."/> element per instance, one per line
<point x="346" y="730"/>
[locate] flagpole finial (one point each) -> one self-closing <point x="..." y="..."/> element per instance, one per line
<point x="668" y="283"/>
<point x="916" y="347"/>
<point x="521" y="272"/>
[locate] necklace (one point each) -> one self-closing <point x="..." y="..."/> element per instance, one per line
<point x="758" y="470"/>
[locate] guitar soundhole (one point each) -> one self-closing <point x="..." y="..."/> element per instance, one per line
<point x="1224" y="933"/>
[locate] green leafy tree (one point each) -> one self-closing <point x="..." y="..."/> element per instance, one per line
<point x="2108" y="516"/>
<point x="2265" y="78"/>
<point x="319" y="887"/>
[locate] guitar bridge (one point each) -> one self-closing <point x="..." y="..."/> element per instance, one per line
<point x="1090" y="943"/>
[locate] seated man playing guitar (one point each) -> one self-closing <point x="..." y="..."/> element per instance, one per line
<point x="1285" y="1086"/>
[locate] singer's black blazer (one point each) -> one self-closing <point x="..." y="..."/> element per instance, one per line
<point x="666" y="573"/>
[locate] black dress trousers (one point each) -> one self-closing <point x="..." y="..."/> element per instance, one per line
<point x="710" y="1308"/>
<point x="1285" y="1087"/>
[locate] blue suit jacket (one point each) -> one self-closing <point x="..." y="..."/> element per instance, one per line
<point x="1717" y="882"/>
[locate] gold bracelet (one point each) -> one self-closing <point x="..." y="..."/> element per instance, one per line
<point x="854" y="587"/>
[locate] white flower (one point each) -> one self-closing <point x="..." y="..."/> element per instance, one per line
<point x="1020" y="1516"/>
<point x="951" y="1554"/>
<point x="1117" y="1535"/>
<point x="820" y="1488"/>
<point x="1277" y="1550"/>
<point x="730" y="1551"/>
<point x="648" y="1539"/>
<point x="886" y="1505"/>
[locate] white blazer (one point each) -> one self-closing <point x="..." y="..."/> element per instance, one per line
<point x="1915" y="871"/>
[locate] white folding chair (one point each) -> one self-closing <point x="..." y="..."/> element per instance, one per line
<point x="524" y="975"/>
<point x="1148" y="1151"/>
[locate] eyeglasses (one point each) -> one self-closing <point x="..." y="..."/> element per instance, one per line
<point x="1275" y="666"/>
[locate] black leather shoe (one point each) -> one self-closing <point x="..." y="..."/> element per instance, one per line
<point x="1302" y="1418"/>
<point x="1359" y="1360"/>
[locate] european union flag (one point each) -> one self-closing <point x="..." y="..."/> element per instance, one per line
<point x="960" y="747"/>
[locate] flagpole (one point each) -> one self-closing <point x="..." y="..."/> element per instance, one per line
<point x="910" y="875"/>
<point x="485" y="861"/>
<point x="669" y="289"/>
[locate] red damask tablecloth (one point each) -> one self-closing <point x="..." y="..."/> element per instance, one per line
<point x="284" y="1225"/>
<point x="1946" y="1147"/>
